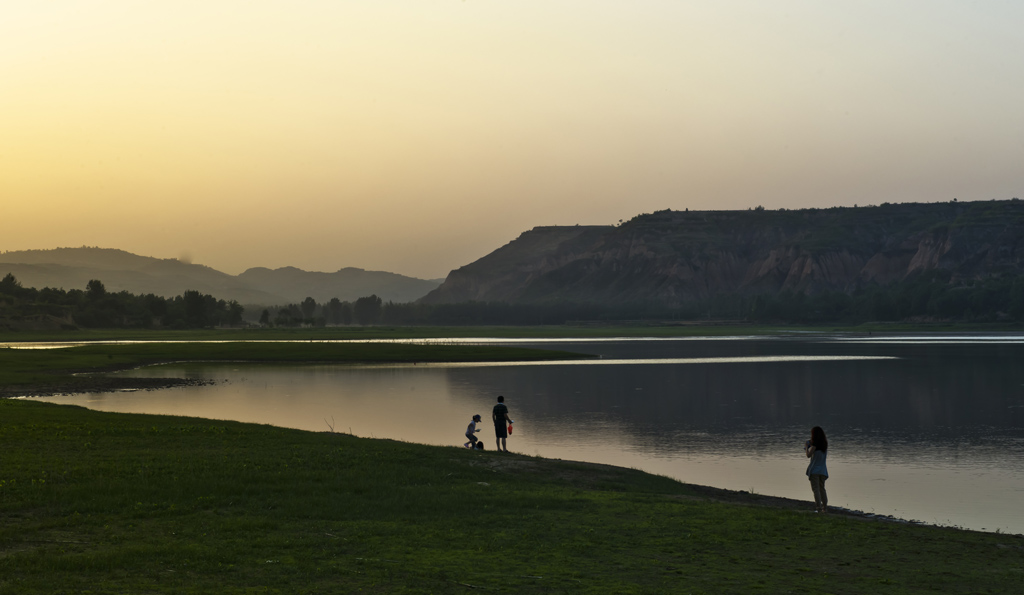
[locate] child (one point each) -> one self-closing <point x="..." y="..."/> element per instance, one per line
<point x="470" y="431"/>
<point x="479" y="445"/>
<point x="816" y="449"/>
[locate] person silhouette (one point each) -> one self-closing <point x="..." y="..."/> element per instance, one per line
<point x="471" y="430"/>
<point x="816" y="450"/>
<point x="501" y="420"/>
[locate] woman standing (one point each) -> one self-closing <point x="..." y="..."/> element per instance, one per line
<point x="817" y="449"/>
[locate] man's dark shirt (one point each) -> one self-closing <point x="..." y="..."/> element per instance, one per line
<point x="499" y="414"/>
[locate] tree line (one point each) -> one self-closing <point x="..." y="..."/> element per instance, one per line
<point x="365" y="311"/>
<point x="95" y="307"/>
<point x="932" y="295"/>
<point x="927" y="296"/>
<point x="372" y="309"/>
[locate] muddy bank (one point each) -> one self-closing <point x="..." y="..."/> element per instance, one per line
<point x="584" y="475"/>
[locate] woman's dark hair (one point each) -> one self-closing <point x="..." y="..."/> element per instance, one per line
<point x="818" y="439"/>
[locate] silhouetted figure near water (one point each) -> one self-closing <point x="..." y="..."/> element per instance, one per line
<point x="501" y="420"/>
<point x="471" y="432"/>
<point x="816" y="449"/>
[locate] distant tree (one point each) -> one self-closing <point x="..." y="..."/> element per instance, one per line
<point x="154" y="305"/>
<point x="367" y="309"/>
<point x="265" y="317"/>
<point x="289" y="316"/>
<point x="308" y="307"/>
<point x="9" y="284"/>
<point x="95" y="289"/>
<point x="332" y="311"/>
<point x="234" y="313"/>
<point x="195" y="309"/>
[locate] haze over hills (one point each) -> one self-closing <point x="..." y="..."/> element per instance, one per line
<point x="72" y="268"/>
<point x="668" y="258"/>
<point x="679" y="257"/>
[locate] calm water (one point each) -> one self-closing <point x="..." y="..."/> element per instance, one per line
<point x="930" y="429"/>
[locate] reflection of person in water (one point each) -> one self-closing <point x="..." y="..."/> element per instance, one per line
<point x="501" y="421"/>
<point x="816" y="449"/>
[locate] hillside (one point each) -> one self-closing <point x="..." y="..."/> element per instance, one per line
<point x="347" y="284"/>
<point x="70" y="268"/>
<point x="673" y="257"/>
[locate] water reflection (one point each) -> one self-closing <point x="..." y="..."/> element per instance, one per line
<point x="924" y="430"/>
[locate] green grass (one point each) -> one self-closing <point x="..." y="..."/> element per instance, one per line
<point x="654" y="328"/>
<point x="41" y="368"/>
<point x="113" y="503"/>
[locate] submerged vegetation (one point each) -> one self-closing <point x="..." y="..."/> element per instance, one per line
<point x="49" y="371"/>
<point x="116" y="503"/>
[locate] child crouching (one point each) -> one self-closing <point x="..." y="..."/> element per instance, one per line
<point x="471" y="433"/>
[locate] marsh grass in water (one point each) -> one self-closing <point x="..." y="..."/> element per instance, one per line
<point x="114" y="503"/>
<point x="43" y="370"/>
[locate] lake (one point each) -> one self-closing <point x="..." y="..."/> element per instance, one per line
<point x="920" y="427"/>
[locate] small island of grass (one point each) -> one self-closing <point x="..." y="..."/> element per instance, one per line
<point x="73" y="369"/>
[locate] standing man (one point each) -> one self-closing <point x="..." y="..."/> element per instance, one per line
<point x="501" y="421"/>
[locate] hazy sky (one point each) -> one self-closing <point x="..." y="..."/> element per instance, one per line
<point x="417" y="136"/>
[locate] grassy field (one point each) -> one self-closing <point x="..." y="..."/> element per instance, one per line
<point x="383" y="332"/>
<point x="111" y="503"/>
<point x="631" y="329"/>
<point x="97" y="502"/>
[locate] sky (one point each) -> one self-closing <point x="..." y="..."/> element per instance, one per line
<point x="418" y="136"/>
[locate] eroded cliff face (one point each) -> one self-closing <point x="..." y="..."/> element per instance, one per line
<point x="675" y="257"/>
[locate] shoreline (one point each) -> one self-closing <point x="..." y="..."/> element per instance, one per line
<point x="112" y="503"/>
<point x="72" y="380"/>
<point x="737" y="497"/>
<point x="26" y="372"/>
<point x="99" y="384"/>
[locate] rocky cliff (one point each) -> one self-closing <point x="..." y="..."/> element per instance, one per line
<point x="673" y="257"/>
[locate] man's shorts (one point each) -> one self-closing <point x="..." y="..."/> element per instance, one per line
<point x="500" y="431"/>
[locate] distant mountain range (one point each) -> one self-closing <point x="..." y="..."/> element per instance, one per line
<point x="669" y="258"/>
<point x="678" y="257"/>
<point x="72" y="268"/>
